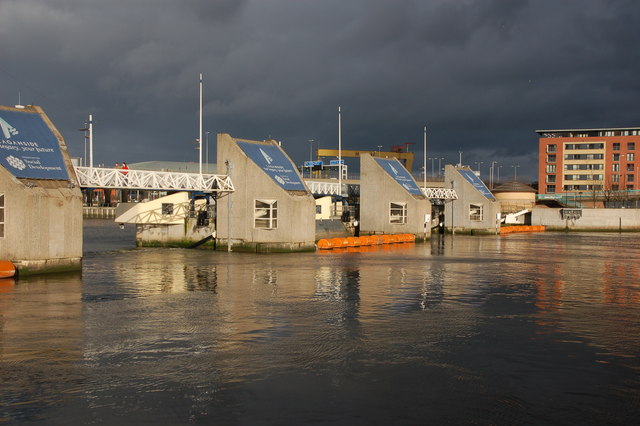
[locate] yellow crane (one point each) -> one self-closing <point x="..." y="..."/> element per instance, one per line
<point x="405" y="157"/>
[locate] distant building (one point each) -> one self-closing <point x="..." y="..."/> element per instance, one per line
<point x="514" y="197"/>
<point x="588" y="160"/>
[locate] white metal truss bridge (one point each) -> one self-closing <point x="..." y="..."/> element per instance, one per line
<point x="332" y="188"/>
<point x="96" y="177"/>
<point x="440" y="193"/>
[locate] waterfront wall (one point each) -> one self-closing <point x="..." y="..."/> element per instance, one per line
<point x="294" y="227"/>
<point x="589" y="220"/>
<point x="377" y="191"/>
<point x="41" y="218"/>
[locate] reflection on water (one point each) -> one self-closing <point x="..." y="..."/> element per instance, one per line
<point x="518" y="329"/>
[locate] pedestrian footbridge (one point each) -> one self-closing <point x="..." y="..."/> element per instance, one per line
<point x="96" y="177"/>
<point x="332" y="188"/>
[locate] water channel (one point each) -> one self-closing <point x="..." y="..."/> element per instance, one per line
<point x="522" y="329"/>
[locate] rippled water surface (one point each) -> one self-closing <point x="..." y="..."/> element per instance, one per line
<point x="522" y="329"/>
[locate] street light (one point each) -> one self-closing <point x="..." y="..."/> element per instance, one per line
<point x="440" y="166"/>
<point x="310" y="156"/>
<point x="85" y="129"/>
<point x="515" y="172"/>
<point x="478" y="163"/>
<point x="207" y="148"/>
<point x="379" y="148"/>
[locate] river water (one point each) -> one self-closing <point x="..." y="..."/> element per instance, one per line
<point x="521" y="329"/>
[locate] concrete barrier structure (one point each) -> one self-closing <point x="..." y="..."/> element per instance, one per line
<point x="571" y="219"/>
<point x="391" y="202"/>
<point x="40" y="202"/>
<point x="476" y="210"/>
<point x="271" y="209"/>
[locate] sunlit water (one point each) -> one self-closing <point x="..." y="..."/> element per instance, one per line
<point x="522" y="329"/>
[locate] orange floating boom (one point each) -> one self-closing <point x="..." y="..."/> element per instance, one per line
<point x="7" y="269"/>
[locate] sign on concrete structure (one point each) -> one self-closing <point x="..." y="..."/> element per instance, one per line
<point x="28" y="147"/>
<point x="396" y="170"/>
<point x="274" y="163"/>
<point x="312" y="163"/>
<point x="474" y="180"/>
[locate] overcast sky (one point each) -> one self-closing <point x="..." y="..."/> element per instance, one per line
<point x="483" y="75"/>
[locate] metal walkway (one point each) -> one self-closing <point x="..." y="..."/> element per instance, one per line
<point x="95" y="177"/>
<point x="331" y="188"/>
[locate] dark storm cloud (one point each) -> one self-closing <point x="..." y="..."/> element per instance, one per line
<point x="482" y="74"/>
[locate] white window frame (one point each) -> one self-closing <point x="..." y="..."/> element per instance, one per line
<point x="476" y="212"/>
<point x="265" y="216"/>
<point x="397" y="213"/>
<point x="2" y="218"/>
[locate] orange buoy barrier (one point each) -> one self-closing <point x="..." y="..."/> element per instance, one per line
<point x="525" y="228"/>
<point x="363" y="241"/>
<point x="325" y="244"/>
<point x="7" y="269"/>
<point x="337" y="242"/>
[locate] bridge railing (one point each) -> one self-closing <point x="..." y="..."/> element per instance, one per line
<point x="440" y="193"/>
<point x="95" y="177"/>
<point x="327" y="188"/>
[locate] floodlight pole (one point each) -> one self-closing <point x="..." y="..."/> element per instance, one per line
<point x="91" y="140"/>
<point x="200" y="128"/>
<point x="425" y="159"/>
<point x="339" y="152"/>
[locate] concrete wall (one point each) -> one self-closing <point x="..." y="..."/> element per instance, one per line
<point x="591" y="220"/>
<point x="457" y="211"/>
<point x="377" y="190"/>
<point x="296" y="209"/>
<point x="43" y="218"/>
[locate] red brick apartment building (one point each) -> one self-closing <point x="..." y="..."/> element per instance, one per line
<point x="582" y="160"/>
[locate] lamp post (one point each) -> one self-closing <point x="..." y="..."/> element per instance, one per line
<point x="432" y="167"/>
<point x="460" y="160"/>
<point x="310" y="156"/>
<point x="379" y="148"/>
<point x="85" y="137"/>
<point x="515" y="172"/>
<point x="340" y="152"/>
<point x="440" y="160"/>
<point x="424" y="181"/>
<point x="200" y="128"/>
<point x="91" y="140"/>
<point x="478" y="163"/>
<point x="207" y="149"/>
<point x="492" y="172"/>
